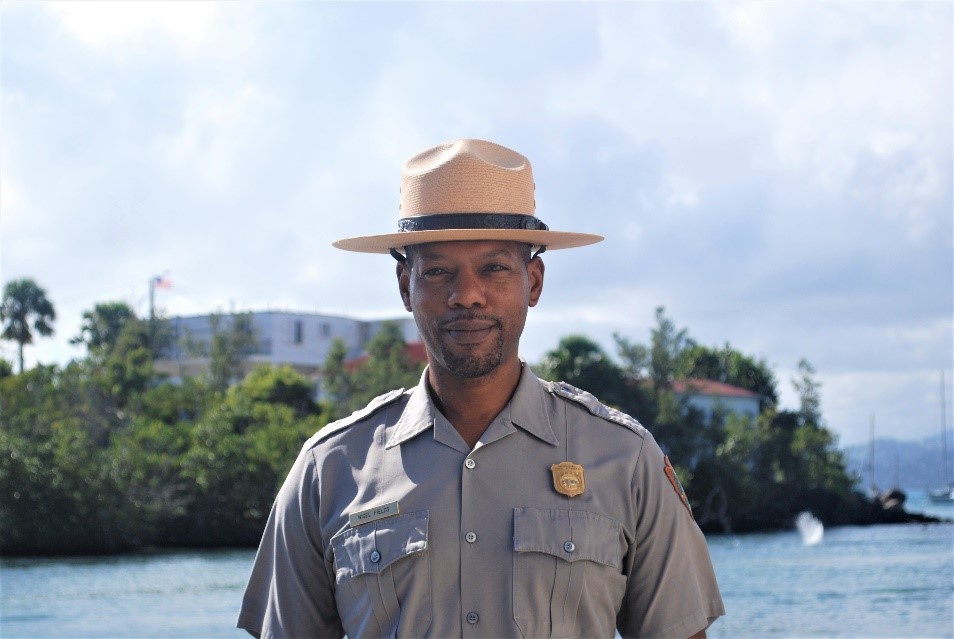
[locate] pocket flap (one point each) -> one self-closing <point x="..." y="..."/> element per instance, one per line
<point x="570" y="535"/>
<point x="370" y="548"/>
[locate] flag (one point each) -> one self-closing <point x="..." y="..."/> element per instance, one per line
<point x="161" y="282"/>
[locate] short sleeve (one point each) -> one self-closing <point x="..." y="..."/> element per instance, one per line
<point x="290" y="592"/>
<point x="671" y="588"/>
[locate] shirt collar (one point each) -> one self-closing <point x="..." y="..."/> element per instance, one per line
<point x="417" y="417"/>
<point x="527" y="409"/>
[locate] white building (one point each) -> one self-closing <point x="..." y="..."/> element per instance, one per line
<point x="301" y="340"/>
<point x="708" y="396"/>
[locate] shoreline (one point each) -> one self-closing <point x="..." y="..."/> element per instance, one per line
<point x="913" y="518"/>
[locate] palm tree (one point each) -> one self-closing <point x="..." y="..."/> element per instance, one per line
<point x="24" y="302"/>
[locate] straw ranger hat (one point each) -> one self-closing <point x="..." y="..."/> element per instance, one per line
<point x="467" y="190"/>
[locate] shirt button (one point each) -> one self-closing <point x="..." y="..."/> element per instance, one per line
<point x="375" y="556"/>
<point x="470" y="463"/>
<point x="472" y="617"/>
<point x="471" y="537"/>
<point x="569" y="546"/>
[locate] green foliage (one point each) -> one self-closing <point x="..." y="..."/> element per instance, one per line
<point x="102" y="327"/>
<point x="233" y="339"/>
<point x="741" y="474"/>
<point x="145" y="460"/>
<point x="56" y="491"/>
<point x="635" y="358"/>
<point x="729" y="366"/>
<point x="24" y="309"/>
<point x="809" y="396"/>
<point x="335" y="378"/>
<point x="681" y="430"/>
<point x="580" y="361"/>
<point x="101" y="456"/>
<point x="279" y="385"/>
<point x="385" y="368"/>
<point x="177" y="465"/>
<point x="241" y="450"/>
<point x="127" y="367"/>
<point x="666" y="345"/>
<point x="174" y="403"/>
<point x="229" y="347"/>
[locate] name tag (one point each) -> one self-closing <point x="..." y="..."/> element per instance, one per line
<point x="373" y="514"/>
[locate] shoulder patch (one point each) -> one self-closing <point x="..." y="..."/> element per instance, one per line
<point x="593" y="405"/>
<point x="373" y="406"/>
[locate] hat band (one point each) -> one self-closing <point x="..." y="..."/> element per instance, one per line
<point x="448" y="221"/>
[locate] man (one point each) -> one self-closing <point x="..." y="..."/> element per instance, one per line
<point x="485" y="502"/>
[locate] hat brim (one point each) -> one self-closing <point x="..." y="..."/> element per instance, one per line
<point x="553" y="240"/>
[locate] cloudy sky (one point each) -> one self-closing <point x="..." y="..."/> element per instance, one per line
<point x="778" y="176"/>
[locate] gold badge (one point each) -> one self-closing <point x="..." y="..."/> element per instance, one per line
<point x="568" y="479"/>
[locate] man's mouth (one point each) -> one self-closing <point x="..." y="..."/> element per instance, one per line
<point x="469" y="330"/>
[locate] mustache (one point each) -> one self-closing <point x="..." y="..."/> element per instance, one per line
<point x="469" y="317"/>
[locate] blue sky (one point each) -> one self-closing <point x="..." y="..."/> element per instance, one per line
<point x="777" y="175"/>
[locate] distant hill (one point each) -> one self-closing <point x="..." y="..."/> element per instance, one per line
<point x="904" y="464"/>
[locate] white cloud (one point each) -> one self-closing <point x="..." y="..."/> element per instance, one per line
<point x="107" y="23"/>
<point x="902" y="404"/>
<point x="681" y="193"/>
<point x="221" y="125"/>
<point x="749" y="24"/>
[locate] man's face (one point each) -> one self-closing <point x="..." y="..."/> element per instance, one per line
<point x="470" y="301"/>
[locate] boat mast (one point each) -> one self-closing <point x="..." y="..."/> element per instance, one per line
<point x="872" y="488"/>
<point x="946" y="480"/>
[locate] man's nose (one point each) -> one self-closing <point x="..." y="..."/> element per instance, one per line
<point x="467" y="291"/>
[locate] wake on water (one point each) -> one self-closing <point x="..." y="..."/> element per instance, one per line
<point x="811" y="530"/>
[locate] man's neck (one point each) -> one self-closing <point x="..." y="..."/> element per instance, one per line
<point x="472" y="404"/>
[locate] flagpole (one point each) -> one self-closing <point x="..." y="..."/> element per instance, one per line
<point x="156" y="281"/>
<point x="152" y="312"/>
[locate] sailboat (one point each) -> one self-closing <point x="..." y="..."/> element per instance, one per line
<point x="943" y="495"/>
<point x="946" y="494"/>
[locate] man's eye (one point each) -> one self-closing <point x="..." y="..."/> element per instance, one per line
<point x="496" y="268"/>
<point x="433" y="272"/>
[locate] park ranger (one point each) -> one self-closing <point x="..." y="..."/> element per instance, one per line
<point x="485" y="502"/>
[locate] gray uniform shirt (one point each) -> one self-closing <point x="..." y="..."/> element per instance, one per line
<point x="452" y="542"/>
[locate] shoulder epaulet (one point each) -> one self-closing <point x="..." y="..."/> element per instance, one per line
<point x="594" y="406"/>
<point x="373" y="406"/>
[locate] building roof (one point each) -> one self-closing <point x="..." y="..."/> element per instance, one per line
<point x="711" y="387"/>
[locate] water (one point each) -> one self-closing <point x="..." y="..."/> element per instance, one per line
<point x="879" y="581"/>
<point x="168" y="594"/>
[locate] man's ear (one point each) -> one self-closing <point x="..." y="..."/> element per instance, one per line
<point x="535" y="270"/>
<point x="403" y="272"/>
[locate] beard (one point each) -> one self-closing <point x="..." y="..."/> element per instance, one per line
<point x="471" y="365"/>
<point x="466" y="363"/>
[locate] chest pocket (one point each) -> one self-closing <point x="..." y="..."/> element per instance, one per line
<point x="567" y="573"/>
<point x="382" y="577"/>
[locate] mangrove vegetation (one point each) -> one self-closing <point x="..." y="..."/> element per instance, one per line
<point x="104" y="455"/>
